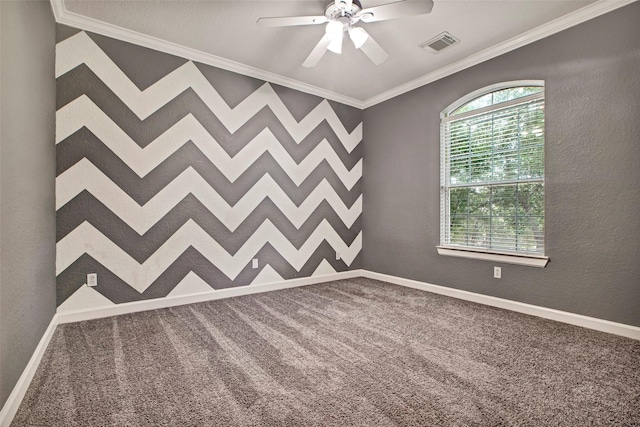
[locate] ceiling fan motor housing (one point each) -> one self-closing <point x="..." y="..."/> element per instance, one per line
<point x="336" y="10"/>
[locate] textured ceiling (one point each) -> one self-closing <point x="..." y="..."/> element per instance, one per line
<point x="227" y="29"/>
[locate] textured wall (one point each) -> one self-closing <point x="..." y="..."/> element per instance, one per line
<point x="27" y="168"/>
<point x="592" y="174"/>
<point x="172" y="176"/>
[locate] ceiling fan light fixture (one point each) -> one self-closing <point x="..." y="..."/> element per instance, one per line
<point x="358" y="36"/>
<point x="334" y="29"/>
<point x="335" y="45"/>
<point x="335" y="32"/>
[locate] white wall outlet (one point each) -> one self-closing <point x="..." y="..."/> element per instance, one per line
<point x="92" y="279"/>
<point x="337" y="256"/>
<point x="497" y="272"/>
<point x="254" y="263"/>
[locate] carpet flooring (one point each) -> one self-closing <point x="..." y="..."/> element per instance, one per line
<point x="356" y="352"/>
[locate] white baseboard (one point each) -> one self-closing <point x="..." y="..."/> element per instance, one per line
<point x="133" y="307"/>
<point x="534" y="310"/>
<point x="15" y="398"/>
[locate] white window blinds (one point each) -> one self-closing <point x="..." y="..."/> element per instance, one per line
<point x="492" y="173"/>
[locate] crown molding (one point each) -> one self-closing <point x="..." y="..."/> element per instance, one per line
<point x="600" y="7"/>
<point x="63" y="16"/>
<point x="569" y="20"/>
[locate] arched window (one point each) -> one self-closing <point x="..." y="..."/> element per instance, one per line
<point x="492" y="172"/>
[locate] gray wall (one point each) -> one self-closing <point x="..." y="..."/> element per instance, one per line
<point x="27" y="170"/>
<point x="592" y="174"/>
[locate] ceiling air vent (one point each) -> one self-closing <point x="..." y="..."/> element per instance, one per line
<point x="439" y="42"/>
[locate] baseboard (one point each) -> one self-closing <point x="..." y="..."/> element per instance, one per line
<point x="534" y="310"/>
<point x="15" y="398"/>
<point x="134" y="307"/>
<point x="594" y="323"/>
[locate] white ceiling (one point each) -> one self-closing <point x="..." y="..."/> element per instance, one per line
<point x="224" y="33"/>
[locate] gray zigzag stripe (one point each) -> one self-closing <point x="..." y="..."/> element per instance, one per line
<point x="85" y="207"/>
<point x="63" y="32"/>
<point x="142" y="66"/>
<point x="82" y="81"/>
<point x="117" y="291"/>
<point x="83" y="144"/>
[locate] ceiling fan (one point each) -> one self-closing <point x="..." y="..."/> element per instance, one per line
<point x="341" y="17"/>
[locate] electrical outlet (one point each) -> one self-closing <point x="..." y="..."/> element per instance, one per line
<point x="497" y="272"/>
<point x="92" y="279"/>
<point x="254" y="263"/>
<point x="338" y="256"/>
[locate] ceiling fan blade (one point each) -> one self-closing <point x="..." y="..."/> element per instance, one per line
<point x="288" y="21"/>
<point x="399" y="9"/>
<point x="374" y="51"/>
<point x="317" y="53"/>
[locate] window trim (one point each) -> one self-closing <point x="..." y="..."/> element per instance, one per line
<point x="494" y="256"/>
<point x="495" y="107"/>
<point x="526" y="259"/>
<point x="488" y="89"/>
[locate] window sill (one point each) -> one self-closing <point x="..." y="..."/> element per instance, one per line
<point x="528" y="260"/>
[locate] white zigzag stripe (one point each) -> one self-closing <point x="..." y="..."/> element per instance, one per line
<point x="86" y="239"/>
<point x="83" y="112"/>
<point x="80" y="49"/>
<point x="267" y="275"/>
<point x="324" y="268"/>
<point x="84" y="175"/>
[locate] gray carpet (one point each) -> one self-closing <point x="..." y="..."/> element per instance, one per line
<point x="354" y="352"/>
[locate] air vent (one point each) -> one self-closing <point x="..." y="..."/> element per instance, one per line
<point x="439" y="43"/>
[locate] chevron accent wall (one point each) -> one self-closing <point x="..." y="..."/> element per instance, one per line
<point x="173" y="176"/>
